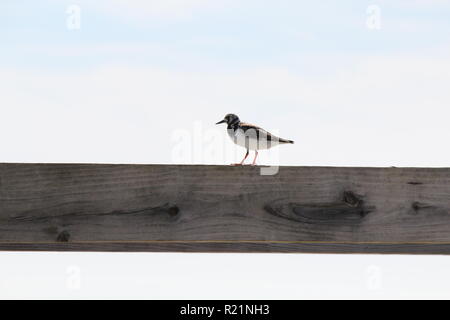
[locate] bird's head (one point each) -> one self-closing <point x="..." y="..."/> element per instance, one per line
<point x="230" y="119"/>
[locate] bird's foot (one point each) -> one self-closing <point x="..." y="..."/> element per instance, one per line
<point x="236" y="164"/>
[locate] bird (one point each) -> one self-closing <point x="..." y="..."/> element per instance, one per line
<point x="250" y="137"/>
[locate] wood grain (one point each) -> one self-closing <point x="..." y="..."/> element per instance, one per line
<point x="71" y="207"/>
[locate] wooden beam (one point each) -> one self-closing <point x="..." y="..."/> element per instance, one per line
<point x="70" y="207"/>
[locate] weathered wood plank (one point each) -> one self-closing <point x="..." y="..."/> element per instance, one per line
<point x="224" y="209"/>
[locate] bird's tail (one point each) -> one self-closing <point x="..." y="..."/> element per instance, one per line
<point x="286" y="141"/>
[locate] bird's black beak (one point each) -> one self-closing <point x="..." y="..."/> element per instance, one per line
<point x="223" y="121"/>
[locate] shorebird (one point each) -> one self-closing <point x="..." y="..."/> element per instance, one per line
<point x="250" y="136"/>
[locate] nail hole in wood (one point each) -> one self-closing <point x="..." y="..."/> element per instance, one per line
<point x="173" y="211"/>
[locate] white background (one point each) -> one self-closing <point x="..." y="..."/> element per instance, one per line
<point x="221" y="276"/>
<point x="145" y="81"/>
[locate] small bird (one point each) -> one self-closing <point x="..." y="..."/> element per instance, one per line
<point x="250" y="136"/>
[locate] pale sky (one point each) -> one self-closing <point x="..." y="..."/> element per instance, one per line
<point x="139" y="73"/>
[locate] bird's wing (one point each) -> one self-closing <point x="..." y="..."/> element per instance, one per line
<point x="250" y="129"/>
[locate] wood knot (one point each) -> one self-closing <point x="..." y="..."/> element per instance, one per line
<point x="352" y="199"/>
<point x="63" y="236"/>
<point x="419" y="206"/>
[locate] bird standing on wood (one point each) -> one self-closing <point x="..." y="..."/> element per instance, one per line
<point x="250" y="136"/>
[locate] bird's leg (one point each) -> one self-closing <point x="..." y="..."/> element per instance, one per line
<point x="256" y="156"/>
<point x="243" y="160"/>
